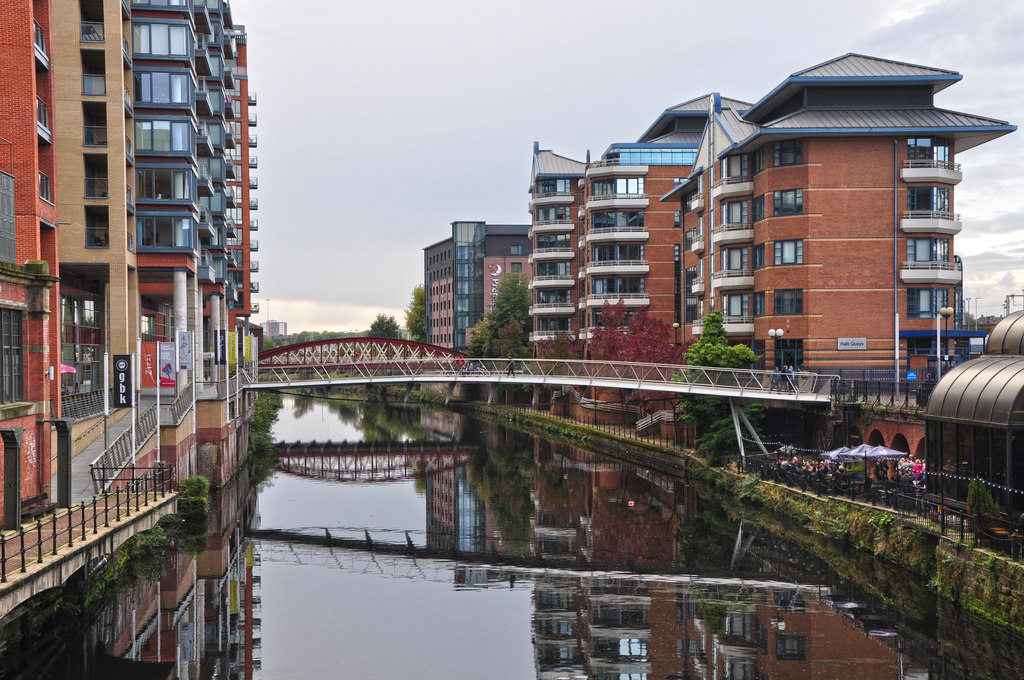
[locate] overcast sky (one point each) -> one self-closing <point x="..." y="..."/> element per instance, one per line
<point x="382" y="122"/>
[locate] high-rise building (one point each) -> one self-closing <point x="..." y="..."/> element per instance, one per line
<point x="461" y="274"/>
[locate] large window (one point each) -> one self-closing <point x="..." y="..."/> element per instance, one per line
<point x="759" y="303"/>
<point x="161" y="183"/>
<point x="553" y="186"/>
<point x="758" y="255"/>
<point x="734" y="166"/>
<point x="557" y="213"/>
<point x="928" y="149"/>
<point x="552" y="269"/>
<point x="789" y="301"/>
<point x="552" y="297"/>
<point x="927" y="250"/>
<point x="652" y="156"/>
<point x="924" y="303"/>
<point x="10" y="356"/>
<point x="789" y="152"/>
<point x="163" y="88"/>
<point x="757" y="160"/>
<point x="621" y="218"/>
<point x="549" y="241"/>
<point x="604" y="286"/>
<point x="618" y="251"/>
<point x="735" y="212"/>
<point x="789" y="202"/>
<point x="553" y="324"/>
<point x="735" y="258"/>
<point x="633" y="186"/>
<point x="757" y="208"/>
<point x="789" y="252"/>
<point x="161" y="39"/>
<point x="163" y="135"/>
<point x="166" y="232"/>
<point x="928" y="199"/>
<point x="736" y="305"/>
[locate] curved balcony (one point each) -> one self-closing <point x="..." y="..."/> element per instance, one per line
<point x="629" y="299"/>
<point x="551" y="254"/>
<point x="698" y="245"/>
<point x="606" y="234"/>
<point x="554" y="281"/>
<point x="563" y="226"/>
<point x="617" y="202"/>
<point x="945" y="273"/>
<point x="551" y="198"/>
<point x="612" y="267"/>
<point x="730" y="187"/>
<point x="733" y="279"/>
<point x="553" y="309"/>
<point x="930" y="222"/>
<point x="738" y="325"/>
<point x="698" y="287"/>
<point x="696" y="203"/>
<point x="942" y="172"/>
<point x="610" y="167"/>
<point x="732" y="232"/>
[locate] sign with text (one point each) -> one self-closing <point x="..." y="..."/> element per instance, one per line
<point x="853" y="343"/>
<point x="185" y="356"/>
<point x="232" y="348"/>
<point x="165" y="359"/>
<point x="248" y="349"/>
<point x="911" y="376"/>
<point x="147" y="365"/>
<point x="123" y="391"/>
<point x="221" y="349"/>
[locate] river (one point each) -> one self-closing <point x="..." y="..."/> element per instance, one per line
<point x="497" y="555"/>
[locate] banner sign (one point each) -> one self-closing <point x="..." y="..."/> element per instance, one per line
<point x="123" y="391"/>
<point x="221" y="349"/>
<point x="186" y="359"/>
<point x="232" y="348"/>
<point x="248" y="349"/>
<point x="147" y="365"/>
<point x="165" y="359"/>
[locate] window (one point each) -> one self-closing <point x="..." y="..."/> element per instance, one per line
<point x="789" y="301"/>
<point x="163" y="135"/>
<point x="790" y="647"/>
<point x="553" y="324"/>
<point x="163" y="88"/>
<point x="618" y="252"/>
<point x="652" y="156"/>
<point x="790" y="202"/>
<point x="10" y="356"/>
<point x="736" y="305"/>
<point x="633" y="186"/>
<point x="757" y="208"/>
<point x="552" y="297"/>
<point x="758" y="256"/>
<point x="789" y="152"/>
<point x="7" y="223"/>
<point x="165" y="232"/>
<point x="735" y="212"/>
<point x="622" y="218"/>
<point x="757" y="160"/>
<point x="161" y="39"/>
<point x="734" y="166"/>
<point x="676" y="219"/>
<point x="735" y="258"/>
<point x="928" y="149"/>
<point x="516" y="267"/>
<point x="553" y="186"/>
<point x="547" y="241"/>
<point x="160" y="183"/>
<point x="927" y="199"/>
<point x="924" y="303"/>
<point x="789" y="252"/>
<point x="558" y="213"/>
<point x="759" y="303"/>
<point x="552" y="269"/>
<point x="927" y="250"/>
<point x="516" y="250"/>
<point x="605" y="286"/>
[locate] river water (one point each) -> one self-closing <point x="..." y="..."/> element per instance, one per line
<point x="497" y="555"/>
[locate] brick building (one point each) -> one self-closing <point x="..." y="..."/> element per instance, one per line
<point x="824" y="211"/>
<point x="462" y="272"/>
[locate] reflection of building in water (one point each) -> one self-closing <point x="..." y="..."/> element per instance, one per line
<point x="456" y="518"/>
<point x="557" y="640"/>
<point x="442" y="425"/>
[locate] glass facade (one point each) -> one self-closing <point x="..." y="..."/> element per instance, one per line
<point x="652" y="156"/>
<point x="468" y="243"/>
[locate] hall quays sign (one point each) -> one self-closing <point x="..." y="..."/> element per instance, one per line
<point x="853" y="343"/>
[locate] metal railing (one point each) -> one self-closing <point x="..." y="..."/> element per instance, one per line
<point x="552" y="194"/>
<point x="92" y="32"/>
<point x="95" y="135"/>
<point x="119" y="454"/>
<point x="886" y="392"/>
<point x="731" y="226"/>
<point x="86" y="405"/>
<point x="732" y="179"/>
<point x="64" y="527"/>
<point x="929" y="163"/>
<point x="613" y="230"/>
<point x="933" y="265"/>
<point x="931" y="215"/>
<point x="616" y="197"/>
<point x="616" y="263"/>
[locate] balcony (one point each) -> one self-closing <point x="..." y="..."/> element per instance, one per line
<point x="738" y="325"/>
<point x="552" y="281"/>
<point x="252" y="141"/>
<point x="127" y="103"/>
<point x="92" y="32"/>
<point x="39" y="42"/>
<point x="252" y="119"/>
<point x="612" y="267"/>
<point x="204" y="184"/>
<point x="126" y="53"/>
<point x="203" y="105"/>
<point x="43" y="121"/>
<point x="551" y="198"/>
<point x="254" y="246"/>
<point x="563" y="226"/>
<point x="96" y="187"/>
<point x="942" y="172"/>
<point x="697" y="245"/>
<point x="698" y="286"/>
<point x="252" y="99"/>
<point x="202" y="17"/>
<point x="94" y="84"/>
<point x="254" y="266"/>
<point x="551" y="254"/>
<point x="45" y="192"/>
<point x="94" y="135"/>
<point x="202" y="58"/>
<point x="254" y="183"/>
<point x="129" y="200"/>
<point x="565" y="308"/>
<point x="730" y="187"/>
<point x="931" y="272"/>
<point x="610" y="166"/>
<point x="617" y="202"/>
<point x="254" y="204"/>
<point x="204" y="145"/>
<point x="254" y="225"/>
<point x="254" y="286"/>
<point x="930" y="222"/>
<point x="696" y="203"/>
<point x="254" y="308"/>
<point x="606" y="234"/>
<point x="732" y="232"/>
<point x="628" y="299"/>
<point x="253" y="162"/>
<point x="129" y="153"/>
<point x="733" y="279"/>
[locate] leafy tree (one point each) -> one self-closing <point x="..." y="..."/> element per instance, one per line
<point x="512" y="301"/>
<point x="384" y="326"/>
<point x="479" y="337"/>
<point x="713" y="348"/>
<point x="510" y="340"/>
<point x="642" y="340"/>
<point x="561" y="346"/>
<point x="416" y="315"/>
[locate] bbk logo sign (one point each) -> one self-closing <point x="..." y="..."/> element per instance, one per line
<point x="123" y="391"/>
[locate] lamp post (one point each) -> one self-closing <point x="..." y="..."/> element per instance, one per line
<point x="675" y="326"/>
<point x="944" y="313"/>
<point x="776" y="334"/>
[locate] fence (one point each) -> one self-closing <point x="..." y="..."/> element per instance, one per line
<point x="901" y="393"/>
<point x="65" y="527"/>
<point x="117" y="456"/>
<point x="86" y="405"/>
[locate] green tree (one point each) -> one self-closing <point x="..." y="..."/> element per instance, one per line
<point x="385" y="326"/>
<point x="510" y="340"/>
<point x="713" y="348"/>
<point x="512" y="301"/>
<point x="416" y="315"/>
<point x="479" y="337"/>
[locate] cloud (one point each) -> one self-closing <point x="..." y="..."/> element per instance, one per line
<point x="317" y="315"/>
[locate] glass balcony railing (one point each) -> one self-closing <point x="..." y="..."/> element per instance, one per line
<point x="96" y="135"/>
<point x="39" y="40"/>
<point x="43" y="120"/>
<point x="44" y="188"/>
<point x="92" y="32"/>
<point x="96" y="187"/>
<point x="94" y="84"/>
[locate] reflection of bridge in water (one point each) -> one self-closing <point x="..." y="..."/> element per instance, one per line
<point x="369" y="461"/>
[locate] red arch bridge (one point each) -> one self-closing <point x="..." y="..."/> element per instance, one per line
<point x="369" y="461"/>
<point x="344" y="362"/>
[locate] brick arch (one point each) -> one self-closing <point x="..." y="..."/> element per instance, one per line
<point x="876" y="438"/>
<point x="919" y="450"/>
<point x="900" y="443"/>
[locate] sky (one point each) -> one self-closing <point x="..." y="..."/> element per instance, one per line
<point x="382" y="122"/>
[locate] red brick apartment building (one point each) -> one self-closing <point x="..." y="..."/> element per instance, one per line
<point x="29" y="298"/>
<point x="825" y="211"/>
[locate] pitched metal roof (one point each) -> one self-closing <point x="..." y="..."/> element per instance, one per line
<point x="985" y="391"/>
<point x="854" y="65"/>
<point x="547" y="163"/>
<point x="678" y="137"/>
<point x="734" y="126"/>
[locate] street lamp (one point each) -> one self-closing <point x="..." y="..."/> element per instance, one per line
<point x="944" y="313"/>
<point x="676" y="327"/>
<point x="776" y="334"/>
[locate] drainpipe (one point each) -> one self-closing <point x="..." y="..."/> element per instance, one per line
<point x="895" y="261"/>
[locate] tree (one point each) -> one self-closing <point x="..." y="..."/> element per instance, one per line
<point x="561" y="346"/>
<point x="416" y="315"/>
<point x="479" y="336"/>
<point x="511" y="301"/>
<point x="713" y="348"/>
<point x="510" y="341"/>
<point x="641" y="339"/>
<point x="384" y="326"/>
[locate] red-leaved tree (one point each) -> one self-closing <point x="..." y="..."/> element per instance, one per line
<point x="641" y="339"/>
